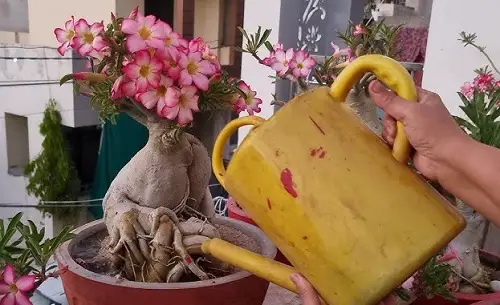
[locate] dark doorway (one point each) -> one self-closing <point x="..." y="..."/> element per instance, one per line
<point x="163" y="10"/>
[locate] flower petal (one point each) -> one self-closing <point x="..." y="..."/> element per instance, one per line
<point x="154" y="80"/>
<point x="155" y="43"/>
<point x="81" y="26"/>
<point x="185" y="116"/>
<point x="185" y="78"/>
<point x="170" y="113"/>
<point x="60" y="35"/>
<point x="84" y="49"/>
<point x="8" y="299"/>
<point x="130" y="26"/>
<point x="99" y="43"/>
<point x="201" y="81"/>
<point x="149" y="99"/>
<point x="142" y="58"/>
<point x="128" y="89"/>
<point x="9" y="274"/>
<point x="97" y="28"/>
<point x="205" y="67"/>
<point x="159" y="31"/>
<point x="63" y="48"/>
<point x="156" y="64"/>
<point x="70" y="24"/>
<point x="4" y="288"/>
<point x="141" y="84"/>
<point x="183" y="61"/>
<point x="174" y="72"/>
<point x="149" y="21"/>
<point x="299" y="56"/>
<point x="132" y="71"/>
<point x="135" y="43"/>
<point x="22" y="299"/>
<point x="26" y="283"/>
<point x="172" y="97"/>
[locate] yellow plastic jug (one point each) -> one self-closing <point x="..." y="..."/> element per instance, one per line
<point x="350" y="216"/>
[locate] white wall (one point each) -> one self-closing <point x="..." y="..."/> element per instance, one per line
<point x="448" y="64"/>
<point x="19" y="98"/>
<point x="265" y="13"/>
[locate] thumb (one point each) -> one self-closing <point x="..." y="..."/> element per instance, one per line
<point x="308" y="295"/>
<point x="389" y="102"/>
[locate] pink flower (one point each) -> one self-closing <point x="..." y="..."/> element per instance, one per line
<point x="15" y="292"/>
<point x="278" y="46"/>
<point x="171" y="39"/>
<point x="250" y="103"/>
<point x="302" y="63"/>
<point x="199" y="45"/>
<point x="180" y="104"/>
<point x="282" y="60"/>
<point x="154" y="97"/>
<point x="195" y="70"/>
<point x="359" y="30"/>
<point x="66" y="36"/>
<point x="143" y="32"/>
<point x="88" y="38"/>
<point x="170" y="58"/>
<point x="467" y="89"/>
<point x="484" y="82"/>
<point x="144" y="70"/>
<point x="408" y="284"/>
<point x="123" y="87"/>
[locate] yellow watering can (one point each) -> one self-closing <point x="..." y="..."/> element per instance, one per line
<point x="350" y="216"/>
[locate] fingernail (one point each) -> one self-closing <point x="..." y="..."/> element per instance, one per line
<point x="377" y="87"/>
<point x="295" y="278"/>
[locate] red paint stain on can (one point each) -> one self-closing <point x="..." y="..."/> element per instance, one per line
<point x="287" y="181"/>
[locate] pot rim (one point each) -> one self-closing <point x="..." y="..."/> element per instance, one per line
<point x="63" y="257"/>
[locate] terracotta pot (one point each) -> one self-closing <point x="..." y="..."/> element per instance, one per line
<point x="83" y="287"/>
<point x="487" y="258"/>
<point x="235" y="212"/>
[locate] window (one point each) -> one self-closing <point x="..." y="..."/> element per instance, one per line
<point x="18" y="152"/>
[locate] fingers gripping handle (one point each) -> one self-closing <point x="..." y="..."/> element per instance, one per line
<point x="393" y="75"/>
<point x="223" y="137"/>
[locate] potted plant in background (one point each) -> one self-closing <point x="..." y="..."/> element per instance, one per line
<point x="25" y="253"/>
<point x="158" y="210"/>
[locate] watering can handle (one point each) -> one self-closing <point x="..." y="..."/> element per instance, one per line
<point x="393" y="75"/>
<point x="222" y="139"/>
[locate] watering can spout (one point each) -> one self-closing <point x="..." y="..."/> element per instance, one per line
<point x="270" y="270"/>
<point x="346" y="210"/>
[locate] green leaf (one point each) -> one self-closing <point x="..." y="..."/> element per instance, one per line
<point x="269" y="46"/>
<point x="241" y="50"/>
<point x="465" y="124"/>
<point x="11" y="229"/>
<point x="65" y="79"/>
<point x="244" y="33"/>
<point x="264" y="38"/>
<point x="63" y="236"/>
<point x="2" y="228"/>
<point x="257" y="37"/>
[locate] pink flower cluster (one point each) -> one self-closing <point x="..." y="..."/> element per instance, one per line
<point x="161" y="70"/>
<point x="15" y="292"/>
<point x="84" y="38"/>
<point x="483" y="82"/>
<point x="289" y="63"/>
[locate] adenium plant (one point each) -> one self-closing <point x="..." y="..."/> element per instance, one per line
<point x="24" y="259"/>
<point x="141" y="66"/>
<point x="298" y="65"/>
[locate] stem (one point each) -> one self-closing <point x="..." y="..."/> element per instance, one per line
<point x="302" y="84"/>
<point x="481" y="49"/>
<point x="254" y="54"/>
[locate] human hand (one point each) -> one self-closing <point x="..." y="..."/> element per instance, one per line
<point x="430" y="128"/>
<point x="307" y="293"/>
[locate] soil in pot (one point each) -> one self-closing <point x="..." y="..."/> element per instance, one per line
<point x="92" y="254"/>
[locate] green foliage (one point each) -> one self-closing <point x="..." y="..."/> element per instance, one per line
<point x="31" y="251"/>
<point x="378" y="39"/>
<point x="51" y="175"/>
<point x="100" y="100"/>
<point x="434" y="278"/>
<point x="482" y="113"/>
<point x="219" y="95"/>
<point x="254" y="41"/>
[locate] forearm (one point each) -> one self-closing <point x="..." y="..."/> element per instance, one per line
<point x="472" y="173"/>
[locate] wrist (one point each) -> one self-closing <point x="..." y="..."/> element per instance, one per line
<point x="453" y="152"/>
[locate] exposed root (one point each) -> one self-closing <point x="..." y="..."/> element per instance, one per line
<point x="176" y="273"/>
<point x="186" y="258"/>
